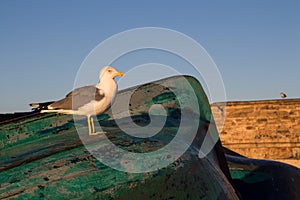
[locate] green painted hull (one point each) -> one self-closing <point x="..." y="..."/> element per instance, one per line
<point x="42" y="155"/>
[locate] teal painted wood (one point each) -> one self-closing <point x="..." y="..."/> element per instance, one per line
<point x="42" y="156"/>
<point x="264" y="179"/>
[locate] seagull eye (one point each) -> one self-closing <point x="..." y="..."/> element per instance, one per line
<point x="109" y="70"/>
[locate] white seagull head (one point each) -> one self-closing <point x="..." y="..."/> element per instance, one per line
<point x="109" y="72"/>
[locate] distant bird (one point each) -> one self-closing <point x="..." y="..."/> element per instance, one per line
<point x="89" y="100"/>
<point x="283" y="95"/>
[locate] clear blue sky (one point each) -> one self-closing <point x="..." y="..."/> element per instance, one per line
<point x="255" y="44"/>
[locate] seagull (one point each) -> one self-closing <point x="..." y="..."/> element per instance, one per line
<point x="88" y="100"/>
<point x="283" y="95"/>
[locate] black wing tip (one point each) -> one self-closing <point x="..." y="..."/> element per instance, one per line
<point x="40" y="106"/>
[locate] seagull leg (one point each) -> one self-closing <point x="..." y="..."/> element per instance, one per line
<point x="93" y="125"/>
<point x="89" y="124"/>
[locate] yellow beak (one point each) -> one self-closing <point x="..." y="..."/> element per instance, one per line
<point x="119" y="74"/>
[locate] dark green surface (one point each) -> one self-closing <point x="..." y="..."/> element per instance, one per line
<point x="43" y="157"/>
<point x="263" y="179"/>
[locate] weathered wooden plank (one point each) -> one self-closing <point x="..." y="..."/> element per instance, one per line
<point x="42" y="156"/>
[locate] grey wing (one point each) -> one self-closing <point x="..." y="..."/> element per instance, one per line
<point x="78" y="98"/>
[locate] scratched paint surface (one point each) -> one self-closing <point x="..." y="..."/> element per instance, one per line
<point x="43" y="157"/>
